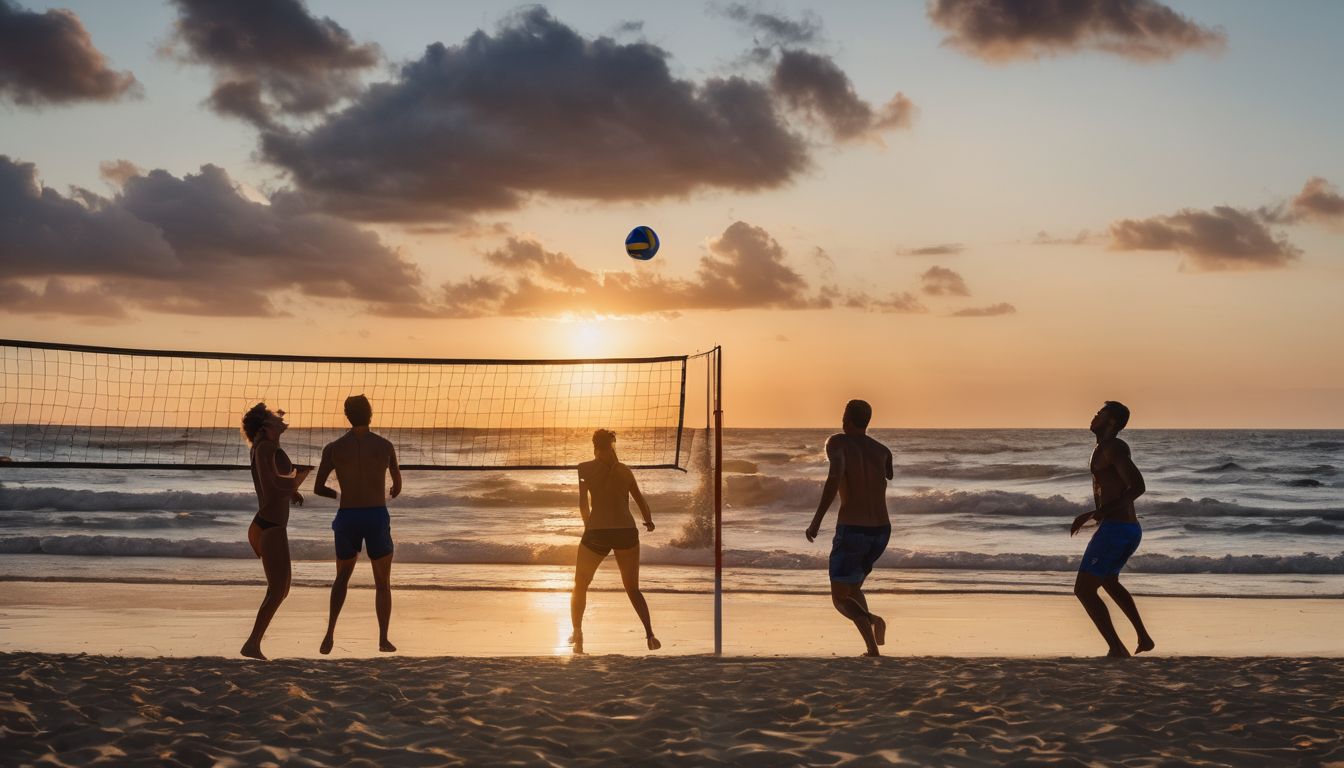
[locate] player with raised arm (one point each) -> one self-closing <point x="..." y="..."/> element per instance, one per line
<point x="859" y="470"/>
<point x="362" y="460"/>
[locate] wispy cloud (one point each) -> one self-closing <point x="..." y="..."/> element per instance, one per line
<point x="940" y="249"/>
<point x="941" y="281"/>
<point x="993" y="310"/>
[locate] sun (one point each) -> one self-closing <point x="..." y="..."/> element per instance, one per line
<point x="588" y="338"/>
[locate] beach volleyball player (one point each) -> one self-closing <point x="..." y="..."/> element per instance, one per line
<point x="859" y="470"/>
<point x="605" y="488"/>
<point x="362" y="461"/>
<point x="1116" y="483"/>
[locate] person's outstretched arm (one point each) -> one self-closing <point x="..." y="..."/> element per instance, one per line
<point x="828" y="491"/>
<point x="324" y="469"/>
<point x="643" y="505"/>
<point x="394" y="469"/>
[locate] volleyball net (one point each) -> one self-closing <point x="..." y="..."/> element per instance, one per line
<point x="64" y="405"/>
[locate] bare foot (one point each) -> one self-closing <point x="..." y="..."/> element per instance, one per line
<point x="253" y="651"/>
<point x="386" y="646"/>
<point x="1145" y="644"/>
<point x="653" y="643"/>
<point x="327" y="643"/>
<point x="879" y="628"/>
<point x="1118" y="653"/>
<point x="575" y="638"/>
<point x="873" y="653"/>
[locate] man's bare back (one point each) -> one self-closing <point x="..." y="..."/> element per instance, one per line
<point x="865" y="467"/>
<point x="361" y="460"/>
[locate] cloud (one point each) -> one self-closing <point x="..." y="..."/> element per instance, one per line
<point x="941" y="249"/>
<point x="49" y="58"/>
<point x="813" y="84"/>
<point x="535" y="108"/>
<point x="192" y="245"/>
<point x="743" y="268"/>
<point x="775" y="29"/>
<point x="1319" y="199"/>
<point x="118" y="172"/>
<point x="993" y="310"/>
<point x="1225" y="238"/>
<point x="59" y="298"/>
<point x="1004" y="30"/>
<point x="1045" y="238"/>
<point x="271" y="57"/>
<point x="941" y="281"/>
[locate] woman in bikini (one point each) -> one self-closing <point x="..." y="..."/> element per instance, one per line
<point x="276" y="481"/>
<point x="605" y="488"/>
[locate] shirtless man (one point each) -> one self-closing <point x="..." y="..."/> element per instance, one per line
<point x="361" y="460"/>
<point x="860" y="469"/>
<point x="1116" y="483"/>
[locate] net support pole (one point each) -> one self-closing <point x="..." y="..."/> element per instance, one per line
<point x="718" y="501"/>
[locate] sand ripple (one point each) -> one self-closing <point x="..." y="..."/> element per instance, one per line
<point x="84" y="710"/>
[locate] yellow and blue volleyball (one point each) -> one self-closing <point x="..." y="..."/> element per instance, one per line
<point x="641" y="243"/>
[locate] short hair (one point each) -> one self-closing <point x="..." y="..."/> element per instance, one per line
<point x="252" y="421"/>
<point x="1119" y="413"/>
<point x="858" y="413"/>
<point x="358" y="410"/>
<point x="604" y="439"/>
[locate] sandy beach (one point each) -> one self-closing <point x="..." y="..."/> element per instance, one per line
<point x="78" y="710"/>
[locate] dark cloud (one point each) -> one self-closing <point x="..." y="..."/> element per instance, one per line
<point x="59" y="298"/>
<point x="941" y="281"/>
<point x="1319" y="200"/>
<point x="814" y="85"/>
<point x="745" y="268"/>
<point x="941" y="249"/>
<point x="1002" y="308"/>
<point x="118" y="172"/>
<point x="271" y="56"/>
<point x="1002" y="30"/>
<point x="1225" y="238"/>
<point x="773" y="29"/>
<point x="189" y="245"/>
<point x="49" y="58"/>
<point x="536" y="108"/>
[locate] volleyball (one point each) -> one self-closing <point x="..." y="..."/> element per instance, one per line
<point x="641" y="243"/>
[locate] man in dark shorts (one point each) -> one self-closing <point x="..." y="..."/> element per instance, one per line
<point x="1116" y="483"/>
<point x="362" y="461"/>
<point x="860" y="469"/>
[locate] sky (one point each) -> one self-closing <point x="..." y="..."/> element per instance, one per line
<point x="972" y="213"/>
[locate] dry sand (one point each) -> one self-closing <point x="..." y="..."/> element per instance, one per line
<point x="691" y="710"/>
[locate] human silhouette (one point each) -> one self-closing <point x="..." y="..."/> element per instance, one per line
<point x="1116" y="483"/>
<point x="605" y="489"/>
<point x="276" y="481"/>
<point x="859" y="470"/>
<point x="362" y="461"/>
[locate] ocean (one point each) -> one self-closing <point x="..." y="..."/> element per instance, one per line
<point x="1227" y="513"/>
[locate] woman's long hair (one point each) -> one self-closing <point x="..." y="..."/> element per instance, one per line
<point x="604" y="441"/>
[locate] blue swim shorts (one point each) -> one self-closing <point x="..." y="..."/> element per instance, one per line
<point x="1110" y="548"/>
<point x="358" y="525"/>
<point x="854" y="550"/>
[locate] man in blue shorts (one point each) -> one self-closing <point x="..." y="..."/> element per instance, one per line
<point x="860" y="469"/>
<point x="1116" y="483"/>
<point x="362" y="460"/>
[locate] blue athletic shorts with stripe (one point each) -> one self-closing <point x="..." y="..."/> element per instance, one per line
<point x="1110" y="548"/>
<point x="357" y="526"/>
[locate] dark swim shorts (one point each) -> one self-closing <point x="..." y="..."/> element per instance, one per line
<point x="358" y="525"/>
<point x="603" y="540"/>
<point x="1110" y="548"/>
<point x="854" y="550"/>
